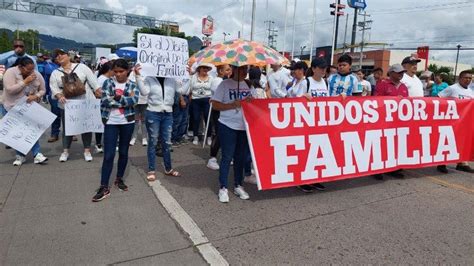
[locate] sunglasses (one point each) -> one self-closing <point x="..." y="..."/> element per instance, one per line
<point x="18" y="46"/>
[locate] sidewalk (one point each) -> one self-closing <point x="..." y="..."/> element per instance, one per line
<point x="47" y="217"/>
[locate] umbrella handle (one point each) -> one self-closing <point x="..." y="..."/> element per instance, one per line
<point x="207" y="126"/>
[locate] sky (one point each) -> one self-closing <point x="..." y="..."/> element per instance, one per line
<point x="401" y="23"/>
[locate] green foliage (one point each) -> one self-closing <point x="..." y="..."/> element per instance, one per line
<point x="441" y="69"/>
<point x="5" y="43"/>
<point x="31" y="39"/>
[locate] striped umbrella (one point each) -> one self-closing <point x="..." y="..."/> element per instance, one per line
<point x="239" y="53"/>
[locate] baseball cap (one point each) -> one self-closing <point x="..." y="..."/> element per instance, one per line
<point x="410" y="60"/>
<point x="319" y="63"/>
<point x="57" y="52"/>
<point x="396" y="68"/>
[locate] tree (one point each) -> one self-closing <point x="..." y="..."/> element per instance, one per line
<point x="442" y="69"/>
<point x="5" y="43"/>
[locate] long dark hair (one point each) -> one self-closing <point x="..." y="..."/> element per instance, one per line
<point x="254" y="76"/>
<point x="104" y="68"/>
<point x="122" y="63"/>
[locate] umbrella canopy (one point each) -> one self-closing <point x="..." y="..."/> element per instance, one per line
<point x="125" y="52"/>
<point x="239" y="53"/>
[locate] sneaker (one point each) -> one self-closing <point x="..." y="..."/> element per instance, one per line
<point x="53" y="139"/>
<point x="464" y="168"/>
<point x="240" y="192"/>
<point x="209" y="141"/>
<point x="442" y="168"/>
<point x="175" y="144"/>
<point x="212" y="164"/>
<point x="64" y="156"/>
<point x="223" y="195"/>
<point x="121" y="185"/>
<point x="196" y="141"/>
<point x="102" y="193"/>
<point x="378" y="176"/>
<point x="183" y="141"/>
<point x="318" y="186"/>
<point x="88" y="156"/>
<point x="306" y="188"/>
<point x="190" y="134"/>
<point x="99" y="149"/>
<point x="251" y="179"/>
<point x="144" y="142"/>
<point x="132" y="141"/>
<point x="396" y="174"/>
<point x="40" y="158"/>
<point x="19" y="160"/>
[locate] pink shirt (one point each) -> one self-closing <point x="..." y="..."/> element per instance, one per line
<point x="14" y="88"/>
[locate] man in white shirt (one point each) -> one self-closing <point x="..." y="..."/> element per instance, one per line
<point x="459" y="90"/>
<point x="278" y="80"/>
<point x="413" y="83"/>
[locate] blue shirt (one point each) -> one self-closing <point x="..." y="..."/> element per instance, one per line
<point x="8" y="59"/>
<point x="435" y="89"/>
<point x="342" y="84"/>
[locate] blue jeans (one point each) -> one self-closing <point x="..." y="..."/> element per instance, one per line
<point x="57" y="122"/>
<point x="180" y="121"/>
<point x="234" y="145"/>
<point x="200" y="107"/>
<point x="159" y="124"/>
<point x="111" y="133"/>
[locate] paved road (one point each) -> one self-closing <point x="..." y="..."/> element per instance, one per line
<point x="46" y="217"/>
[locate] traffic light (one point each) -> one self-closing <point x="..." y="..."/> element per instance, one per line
<point x="340" y="7"/>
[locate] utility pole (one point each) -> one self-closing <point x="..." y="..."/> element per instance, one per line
<point x="293" y="35"/>
<point x="336" y="13"/>
<point x="364" y="26"/>
<point x="252" y="28"/>
<point x="272" y="34"/>
<point x="345" y="33"/>
<point x="302" y="49"/>
<point x="457" y="58"/>
<point x="17" y="29"/>
<point x="354" y="30"/>
<point x="284" y="29"/>
<point x="313" y="28"/>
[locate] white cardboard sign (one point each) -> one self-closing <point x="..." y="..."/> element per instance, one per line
<point x="82" y="116"/>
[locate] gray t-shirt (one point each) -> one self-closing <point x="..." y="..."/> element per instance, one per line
<point x="457" y="91"/>
<point x="227" y="93"/>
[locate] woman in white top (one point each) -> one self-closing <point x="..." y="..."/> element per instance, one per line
<point x="93" y="90"/>
<point x="200" y="95"/>
<point x="299" y="85"/>
<point x="160" y="93"/>
<point x="104" y="73"/>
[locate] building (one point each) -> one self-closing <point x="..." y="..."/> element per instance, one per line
<point x="385" y="58"/>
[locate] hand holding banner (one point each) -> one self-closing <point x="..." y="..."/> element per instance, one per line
<point x="296" y="142"/>
<point x="24" y="124"/>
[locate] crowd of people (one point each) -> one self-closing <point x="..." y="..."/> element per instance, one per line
<point x="206" y="108"/>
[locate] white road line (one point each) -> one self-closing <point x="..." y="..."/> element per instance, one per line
<point x="187" y="224"/>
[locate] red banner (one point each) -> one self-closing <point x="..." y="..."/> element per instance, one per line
<point x="295" y="141"/>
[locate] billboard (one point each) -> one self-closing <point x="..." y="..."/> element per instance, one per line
<point x="208" y="26"/>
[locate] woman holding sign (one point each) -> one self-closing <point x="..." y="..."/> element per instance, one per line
<point x="160" y="94"/>
<point x="24" y="81"/>
<point x="119" y="97"/>
<point x="73" y="81"/>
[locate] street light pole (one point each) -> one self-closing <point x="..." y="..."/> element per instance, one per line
<point x="457" y="58"/>
<point x="302" y="49"/>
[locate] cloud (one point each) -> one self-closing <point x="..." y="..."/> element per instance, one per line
<point x="114" y="4"/>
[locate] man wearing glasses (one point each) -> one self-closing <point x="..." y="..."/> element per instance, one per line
<point x="8" y="59"/>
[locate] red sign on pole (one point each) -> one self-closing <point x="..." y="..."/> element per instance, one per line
<point x="295" y="142"/>
<point x="423" y="53"/>
<point x="208" y="26"/>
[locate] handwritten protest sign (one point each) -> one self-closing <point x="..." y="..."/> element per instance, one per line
<point x="83" y="116"/>
<point x="168" y="55"/>
<point x="24" y="124"/>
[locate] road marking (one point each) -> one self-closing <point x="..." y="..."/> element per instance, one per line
<point x="450" y="185"/>
<point x="441" y="182"/>
<point x="187" y="224"/>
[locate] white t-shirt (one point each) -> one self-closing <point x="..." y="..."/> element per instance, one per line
<point x="226" y="93"/>
<point x="456" y="91"/>
<point x="366" y="87"/>
<point x="414" y="85"/>
<point x="215" y="83"/>
<point x="298" y="89"/>
<point x="101" y="80"/>
<point x="117" y="116"/>
<point x="318" y="88"/>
